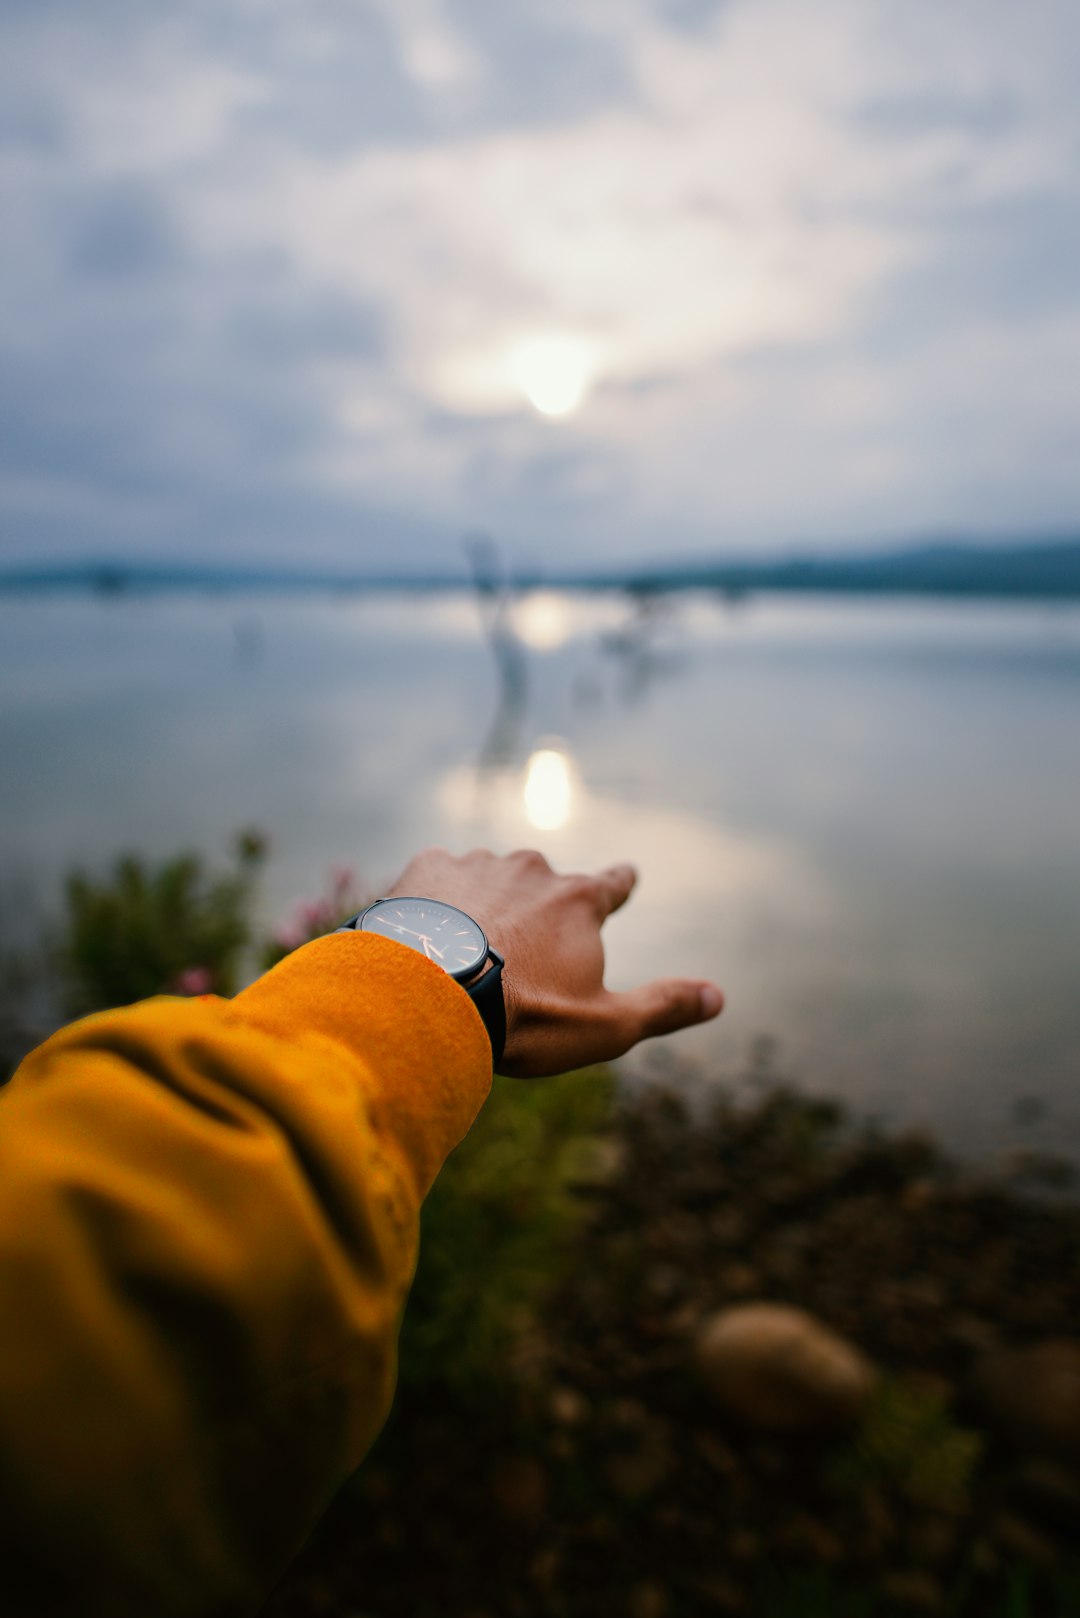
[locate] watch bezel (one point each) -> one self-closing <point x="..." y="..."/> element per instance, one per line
<point x="464" y="973"/>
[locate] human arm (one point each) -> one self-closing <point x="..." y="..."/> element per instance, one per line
<point x="208" y="1225"/>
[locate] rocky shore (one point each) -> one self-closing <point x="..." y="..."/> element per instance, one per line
<point x="793" y="1370"/>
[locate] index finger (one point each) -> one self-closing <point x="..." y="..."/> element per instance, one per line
<point x="615" y="885"/>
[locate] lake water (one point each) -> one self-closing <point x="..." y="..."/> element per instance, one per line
<point x="863" y="819"/>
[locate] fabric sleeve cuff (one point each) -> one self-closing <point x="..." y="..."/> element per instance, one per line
<point x="417" y="1033"/>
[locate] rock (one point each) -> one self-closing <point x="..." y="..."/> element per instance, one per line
<point x="972" y="1334"/>
<point x="640" y="1468"/>
<point x="1021" y="1540"/>
<point x="743" y="1545"/>
<point x="626" y="1412"/>
<point x="720" y="1593"/>
<point x="1032" y="1395"/>
<point x="545" y="1566"/>
<point x="662" y="1282"/>
<point x="561" y="1445"/>
<point x="740" y="1280"/>
<point x="649" y="1600"/>
<point x="913" y="1591"/>
<point x="918" y="1195"/>
<point x="1050" y="1494"/>
<point x="778" y="1369"/>
<point x="568" y="1407"/>
<point x="684" y="1320"/>
<point x="519" y="1488"/>
<point x="717" y="1454"/>
<point x="808" y="1538"/>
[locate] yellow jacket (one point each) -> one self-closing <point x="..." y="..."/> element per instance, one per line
<point x="208" y="1226"/>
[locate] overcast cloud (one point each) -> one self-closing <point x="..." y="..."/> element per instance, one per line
<point x="268" y="263"/>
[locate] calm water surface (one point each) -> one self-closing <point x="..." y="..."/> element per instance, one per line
<point x="862" y="819"/>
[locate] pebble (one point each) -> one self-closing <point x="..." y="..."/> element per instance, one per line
<point x="519" y="1489"/>
<point x="913" y="1591"/>
<point x="1032" y="1395"/>
<point x="639" y="1470"/>
<point x="1020" y="1539"/>
<point x="649" y="1600"/>
<point x="807" y="1536"/>
<point x="721" y="1593"/>
<point x="568" y="1407"/>
<point x="1051" y="1493"/>
<point x="740" y="1281"/>
<point x="778" y="1369"/>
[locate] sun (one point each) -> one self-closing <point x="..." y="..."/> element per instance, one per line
<point x="553" y="373"/>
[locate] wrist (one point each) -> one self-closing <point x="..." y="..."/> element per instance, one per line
<point x="421" y="1057"/>
<point x="450" y="939"/>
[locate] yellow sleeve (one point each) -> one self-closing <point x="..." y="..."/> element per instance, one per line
<point x="208" y="1226"/>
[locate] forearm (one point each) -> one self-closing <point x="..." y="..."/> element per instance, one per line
<point x="208" y="1217"/>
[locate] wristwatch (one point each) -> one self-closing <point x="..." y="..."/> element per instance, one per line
<point x="453" y="941"/>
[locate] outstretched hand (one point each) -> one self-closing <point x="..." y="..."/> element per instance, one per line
<point x="558" y="1013"/>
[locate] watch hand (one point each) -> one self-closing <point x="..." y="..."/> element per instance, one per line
<point x="423" y="937"/>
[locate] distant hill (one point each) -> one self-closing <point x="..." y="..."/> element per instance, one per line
<point x="1047" y="570"/>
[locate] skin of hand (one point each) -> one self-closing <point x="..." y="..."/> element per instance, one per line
<point x="559" y="1015"/>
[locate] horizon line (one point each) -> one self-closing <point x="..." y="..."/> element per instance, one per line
<point x="1039" y="567"/>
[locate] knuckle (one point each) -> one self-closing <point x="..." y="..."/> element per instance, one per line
<point x="531" y="858"/>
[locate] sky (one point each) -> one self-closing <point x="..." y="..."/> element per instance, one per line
<point x="332" y="282"/>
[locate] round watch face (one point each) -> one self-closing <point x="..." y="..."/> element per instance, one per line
<point x="444" y="934"/>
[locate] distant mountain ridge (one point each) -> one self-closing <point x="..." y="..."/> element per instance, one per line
<point x="1050" y="569"/>
<point x="1043" y="570"/>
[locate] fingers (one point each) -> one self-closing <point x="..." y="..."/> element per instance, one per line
<point x="614" y="887"/>
<point x="664" y="1006"/>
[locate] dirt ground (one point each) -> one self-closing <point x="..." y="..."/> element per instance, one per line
<point x="595" y="1476"/>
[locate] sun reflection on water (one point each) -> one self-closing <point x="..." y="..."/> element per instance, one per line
<point x="548" y="791"/>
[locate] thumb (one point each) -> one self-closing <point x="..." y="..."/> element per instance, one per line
<point x="665" y="1005"/>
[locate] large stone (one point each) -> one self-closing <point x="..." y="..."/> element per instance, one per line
<point x="1032" y="1395"/>
<point x="780" y="1370"/>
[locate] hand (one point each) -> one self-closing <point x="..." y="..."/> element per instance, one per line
<point x="558" y="1013"/>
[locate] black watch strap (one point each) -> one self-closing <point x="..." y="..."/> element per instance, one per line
<point x="486" y="994"/>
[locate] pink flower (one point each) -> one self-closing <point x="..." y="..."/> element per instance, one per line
<point x="312" y="918"/>
<point x="195" y="980"/>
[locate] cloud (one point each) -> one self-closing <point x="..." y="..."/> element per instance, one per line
<point x="268" y="266"/>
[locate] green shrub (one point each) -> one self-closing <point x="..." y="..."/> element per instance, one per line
<point x="908" y="1442"/>
<point x="498" y="1228"/>
<point x="152" y="928"/>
